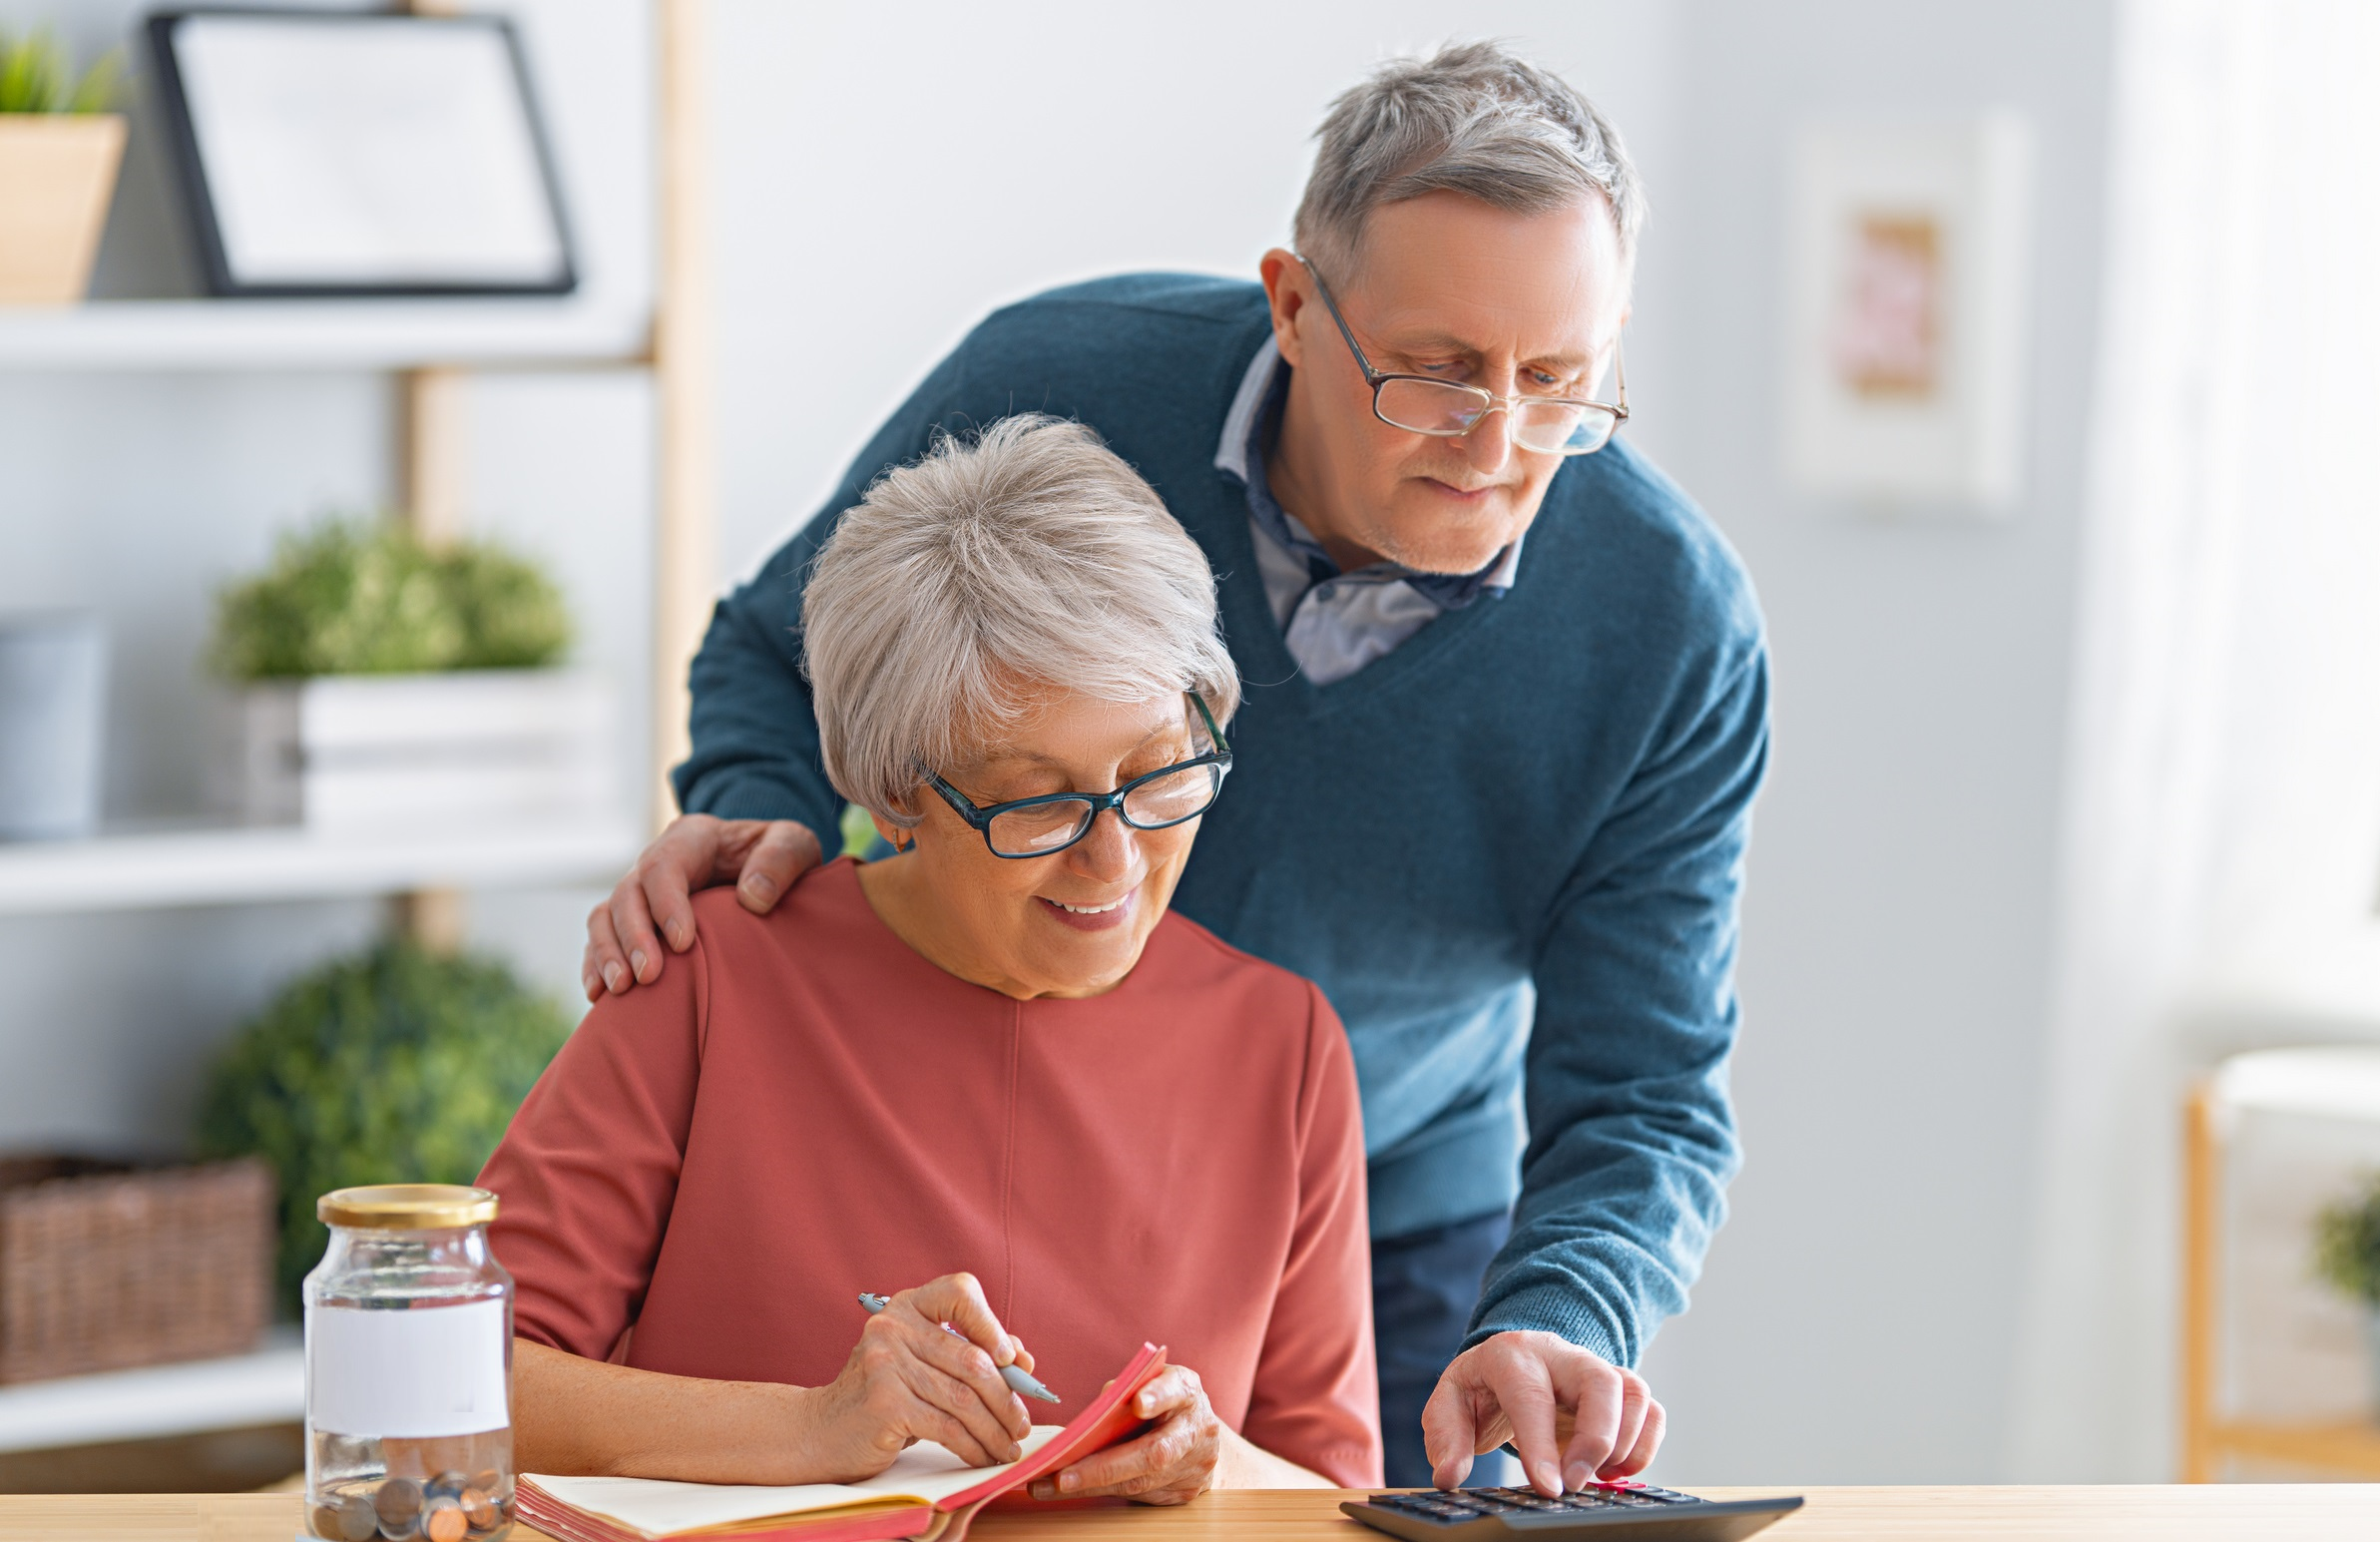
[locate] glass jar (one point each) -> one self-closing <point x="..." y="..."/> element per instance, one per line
<point x="408" y="1363"/>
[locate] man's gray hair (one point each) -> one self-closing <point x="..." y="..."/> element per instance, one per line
<point x="1027" y="558"/>
<point x="1473" y="118"/>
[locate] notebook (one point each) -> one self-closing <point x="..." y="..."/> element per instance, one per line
<point x="927" y="1492"/>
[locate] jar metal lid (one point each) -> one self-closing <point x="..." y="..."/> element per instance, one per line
<point x="407" y="1207"/>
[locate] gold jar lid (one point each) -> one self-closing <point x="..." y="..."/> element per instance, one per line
<point x="407" y="1207"/>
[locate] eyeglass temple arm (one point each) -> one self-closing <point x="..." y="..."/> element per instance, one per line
<point x="1371" y="376"/>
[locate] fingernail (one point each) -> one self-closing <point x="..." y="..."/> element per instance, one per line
<point x="635" y="961"/>
<point x="616" y="977"/>
<point x="758" y="886"/>
<point x="1577" y="1476"/>
<point x="1069" y="1483"/>
<point x="1042" y="1491"/>
<point x="676" y="931"/>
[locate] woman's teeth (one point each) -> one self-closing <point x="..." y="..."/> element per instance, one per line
<point x="1090" y="909"/>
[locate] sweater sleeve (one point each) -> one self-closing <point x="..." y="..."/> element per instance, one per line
<point x="1632" y="1138"/>
<point x="588" y="1173"/>
<point x="1316" y="1397"/>
<point x="753" y="723"/>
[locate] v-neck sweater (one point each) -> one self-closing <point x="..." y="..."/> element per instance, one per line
<point x="1510" y="851"/>
<point x="803" y="1107"/>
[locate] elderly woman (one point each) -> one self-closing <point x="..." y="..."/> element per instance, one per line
<point x="992" y="1062"/>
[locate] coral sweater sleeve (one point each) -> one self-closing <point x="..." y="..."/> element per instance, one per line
<point x="1317" y="1398"/>
<point x="589" y="1171"/>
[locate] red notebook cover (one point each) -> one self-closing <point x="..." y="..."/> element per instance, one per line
<point x="1107" y="1421"/>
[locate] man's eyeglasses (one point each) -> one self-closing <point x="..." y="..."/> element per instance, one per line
<point x="1042" y="826"/>
<point x="1545" y="425"/>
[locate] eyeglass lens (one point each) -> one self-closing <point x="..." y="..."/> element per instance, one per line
<point x="1546" y="428"/>
<point x="1160" y="800"/>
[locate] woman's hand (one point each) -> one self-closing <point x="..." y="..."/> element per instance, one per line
<point x="911" y="1379"/>
<point x="1172" y="1463"/>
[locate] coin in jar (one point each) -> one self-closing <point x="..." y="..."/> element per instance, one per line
<point x="446" y="1485"/>
<point x="324" y="1522"/>
<point x="489" y="1483"/>
<point x="479" y="1508"/>
<point x="398" y="1506"/>
<point x="443" y="1521"/>
<point x="357" y="1519"/>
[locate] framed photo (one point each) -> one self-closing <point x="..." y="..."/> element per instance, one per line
<point x="1906" y="312"/>
<point x="343" y="152"/>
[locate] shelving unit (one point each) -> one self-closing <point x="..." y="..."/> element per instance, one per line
<point x="2324" y="1083"/>
<point x="239" y="1392"/>
<point x="430" y="346"/>
<point x="138" y="870"/>
<point x="175" y="334"/>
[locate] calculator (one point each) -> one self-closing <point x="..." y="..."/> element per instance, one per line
<point x="1604" y="1513"/>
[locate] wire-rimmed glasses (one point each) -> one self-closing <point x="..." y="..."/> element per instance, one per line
<point x="1044" y="825"/>
<point x="1545" y="425"/>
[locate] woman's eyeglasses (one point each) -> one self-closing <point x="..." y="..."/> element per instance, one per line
<point x="1042" y="826"/>
<point x="1547" y="425"/>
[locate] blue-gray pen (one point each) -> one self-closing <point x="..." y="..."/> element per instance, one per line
<point x="1018" y="1379"/>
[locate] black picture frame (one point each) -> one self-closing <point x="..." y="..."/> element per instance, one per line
<point x="198" y="202"/>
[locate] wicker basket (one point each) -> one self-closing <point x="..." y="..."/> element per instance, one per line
<point x="106" y="1264"/>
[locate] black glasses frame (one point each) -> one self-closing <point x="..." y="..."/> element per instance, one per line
<point x="981" y="816"/>
<point x="1490" y="401"/>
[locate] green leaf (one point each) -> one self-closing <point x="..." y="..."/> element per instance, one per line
<point x="101" y="86"/>
<point x="2348" y="1243"/>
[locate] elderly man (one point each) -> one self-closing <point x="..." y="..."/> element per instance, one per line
<point x="1506" y="713"/>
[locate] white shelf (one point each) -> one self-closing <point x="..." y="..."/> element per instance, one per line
<point x="239" y="334"/>
<point x="139" y="871"/>
<point x="245" y="1390"/>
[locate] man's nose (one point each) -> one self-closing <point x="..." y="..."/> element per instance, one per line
<point x="1489" y="444"/>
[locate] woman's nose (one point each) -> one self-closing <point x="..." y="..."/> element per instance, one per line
<point x="1110" y="852"/>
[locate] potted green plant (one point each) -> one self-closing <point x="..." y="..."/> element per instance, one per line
<point x="59" y="148"/>
<point x="382" y="682"/>
<point x="2347" y="1257"/>
<point x="395" y="1065"/>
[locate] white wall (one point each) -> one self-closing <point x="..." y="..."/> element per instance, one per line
<point x="1858" y="1320"/>
<point x="891" y="173"/>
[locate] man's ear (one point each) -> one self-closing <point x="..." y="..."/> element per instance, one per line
<point x="1285" y="286"/>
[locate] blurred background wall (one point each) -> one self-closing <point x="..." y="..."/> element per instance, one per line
<point x="887" y="175"/>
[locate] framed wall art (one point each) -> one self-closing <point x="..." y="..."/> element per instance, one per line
<point x="1907" y="246"/>
<point x="331" y="153"/>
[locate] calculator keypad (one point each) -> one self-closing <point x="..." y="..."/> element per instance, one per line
<point x="1455" y="1506"/>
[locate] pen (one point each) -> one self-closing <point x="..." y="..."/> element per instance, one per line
<point x="1019" y="1379"/>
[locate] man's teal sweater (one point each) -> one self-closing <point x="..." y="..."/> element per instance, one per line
<point x="1509" y="851"/>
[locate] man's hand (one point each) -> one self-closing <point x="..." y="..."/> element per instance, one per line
<point x="1574" y="1416"/>
<point x="761" y="857"/>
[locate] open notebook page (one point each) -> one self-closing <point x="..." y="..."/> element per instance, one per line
<point x="925" y="1472"/>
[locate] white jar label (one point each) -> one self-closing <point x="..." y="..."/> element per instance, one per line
<point x="433" y="1371"/>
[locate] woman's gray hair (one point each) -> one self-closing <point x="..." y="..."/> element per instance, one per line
<point x="1473" y="118"/>
<point x="1029" y="556"/>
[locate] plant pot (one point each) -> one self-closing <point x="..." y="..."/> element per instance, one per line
<point x="56" y="175"/>
<point x="361" y="754"/>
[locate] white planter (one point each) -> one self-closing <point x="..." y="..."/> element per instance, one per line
<point x="478" y="747"/>
<point x="53" y="699"/>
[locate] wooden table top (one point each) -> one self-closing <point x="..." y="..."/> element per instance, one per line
<point x="2300" y="1512"/>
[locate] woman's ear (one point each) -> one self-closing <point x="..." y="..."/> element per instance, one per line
<point x="899" y="838"/>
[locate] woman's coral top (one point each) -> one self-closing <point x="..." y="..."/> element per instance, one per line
<point x="803" y="1107"/>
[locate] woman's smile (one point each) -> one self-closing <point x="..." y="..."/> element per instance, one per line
<point x="1098" y="917"/>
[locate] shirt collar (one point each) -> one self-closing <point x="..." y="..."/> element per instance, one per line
<point x="1248" y="429"/>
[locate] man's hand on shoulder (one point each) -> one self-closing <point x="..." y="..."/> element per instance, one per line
<point x="1572" y="1416"/>
<point x="761" y="857"/>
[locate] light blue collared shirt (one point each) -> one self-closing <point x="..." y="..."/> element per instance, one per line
<point x="1334" y="622"/>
